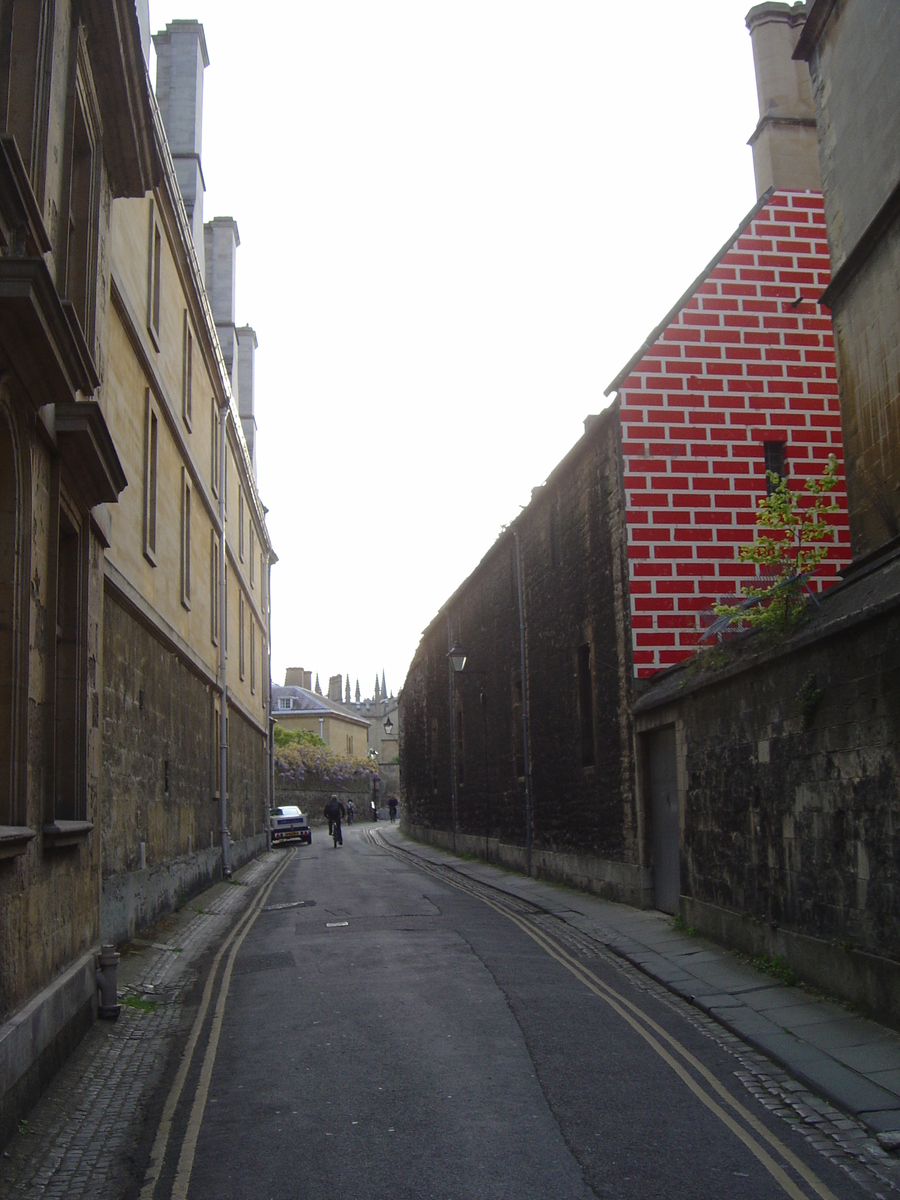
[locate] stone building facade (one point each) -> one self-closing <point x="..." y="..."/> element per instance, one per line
<point x="133" y="550"/>
<point x="77" y="136"/>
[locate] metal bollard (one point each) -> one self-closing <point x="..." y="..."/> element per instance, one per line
<point x="107" y="962"/>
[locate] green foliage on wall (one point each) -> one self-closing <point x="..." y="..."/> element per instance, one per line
<point x="296" y="737"/>
<point x="304" y="765"/>
<point x="793" y="547"/>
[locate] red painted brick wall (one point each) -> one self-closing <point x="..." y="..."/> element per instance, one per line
<point x="738" y="365"/>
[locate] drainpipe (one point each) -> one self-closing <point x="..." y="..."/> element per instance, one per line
<point x="223" y="715"/>
<point x="525" y="747"/>
<point x="270" y="720"/>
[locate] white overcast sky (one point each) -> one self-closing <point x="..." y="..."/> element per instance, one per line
<point x="458" y="221"/>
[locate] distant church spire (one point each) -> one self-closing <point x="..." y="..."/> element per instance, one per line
<point x="357" y="691"/>
<point x="383" y="686"/>
<point x="318" y="686"/>
<point x="347" y="691"/>
<point x="377" y="696"/>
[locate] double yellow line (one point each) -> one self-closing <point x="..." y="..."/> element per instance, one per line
<point x="661" y="1042"/>
<point x="163" y="1133"/>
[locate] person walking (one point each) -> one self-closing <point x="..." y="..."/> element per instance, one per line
<point x="351" y="812"/>
<point x="392" y="808"/>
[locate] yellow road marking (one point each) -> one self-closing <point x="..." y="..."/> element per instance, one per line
<point x="621" y="1004"/>
<point x="161" y="1142"/>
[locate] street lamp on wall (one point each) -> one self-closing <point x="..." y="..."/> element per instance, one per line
<point x="456" y="658"/>
<point x="388" y="727"/>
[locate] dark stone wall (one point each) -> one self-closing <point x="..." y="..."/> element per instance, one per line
<point x="158" y="779"/>
<point x="792" y="802"/>
<point x="575" y="586"/>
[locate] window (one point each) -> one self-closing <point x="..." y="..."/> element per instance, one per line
<point x="241" y="634"/>
<point x="774" y="458"/>
<point x="151" y="477"/>
<point x="214" y="446"/>
<point x="8" y="606"/>
<point x="214" y="587"/>
<point x="154" y="282"/>
<point x="586" y="705"/>
<point x="187" y="372"/>
<point x="284" y="703"/>
<point x="68" y="760"/>
<point x="252" y="654"/>
<point x="215" y="742"/>
<point x="241" y="522"/>
<point x="185" y="538"/>
<point x="252" y="556"/>
<point x="349" y="743"/>
<point x="81" y="241"/>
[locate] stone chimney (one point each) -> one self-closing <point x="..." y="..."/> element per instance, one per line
<point x="247" y="343"/>
<point x="143" y="16"/>
<point x="297" y="677"/>
<point x="335" y="690"/>
<point x="181" y="58"/>
<point x="784" y="143"/>
<point x="221" y="240"/>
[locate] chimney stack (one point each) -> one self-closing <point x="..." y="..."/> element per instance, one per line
<point x="247" y="343"/>
<point x="297" y="677"/>
<point x="181" y="58"/>
<point x="221" y="240"/>
<point x="784" y="143"/>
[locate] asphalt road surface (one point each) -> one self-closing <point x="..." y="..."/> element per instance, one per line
<point x="371" y="1030"/>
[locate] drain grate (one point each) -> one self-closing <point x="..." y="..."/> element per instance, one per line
<point x="290" y="904"/>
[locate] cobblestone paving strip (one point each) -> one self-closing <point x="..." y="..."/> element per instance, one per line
<point x="80" y="1140"/>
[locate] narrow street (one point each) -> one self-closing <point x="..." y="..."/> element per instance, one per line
<point x="374" y="1028"/>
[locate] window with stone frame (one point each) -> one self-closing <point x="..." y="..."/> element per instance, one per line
<point x="252" y="654"/>
<point x="9" y="518"/>
<point x="187" y="372"/>
<point x="151" y="476"/>
<point x="241" y="623"/>
<point x="154" y="278"/>
<point x="214" y="587"/>
<point x="240" y="522"/>
<point x="185" y="538"/>
<point x="69" y="684"/>
<point x="83" y="217"/>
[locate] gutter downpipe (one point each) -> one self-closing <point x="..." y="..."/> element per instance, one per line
<point x="223" y="714"/>
<point x="525" y="745"/>
<point x="270" y="722"/>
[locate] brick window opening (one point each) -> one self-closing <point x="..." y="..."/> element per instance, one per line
<point x="81" y="248"/>
<point x="586" y="705"/>
<point x="774" y="458"/>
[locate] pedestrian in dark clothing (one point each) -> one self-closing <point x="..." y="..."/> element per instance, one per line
<point x="392" y="807"/>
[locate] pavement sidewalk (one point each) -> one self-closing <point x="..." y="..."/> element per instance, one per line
<point x="852" y="1062"/>
<point x="81" y="1140"/>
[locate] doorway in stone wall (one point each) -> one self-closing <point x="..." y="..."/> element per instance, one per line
<point x="665" y="830"/>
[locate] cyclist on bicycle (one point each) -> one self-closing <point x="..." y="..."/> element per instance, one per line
<point x="335" y="811"/>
